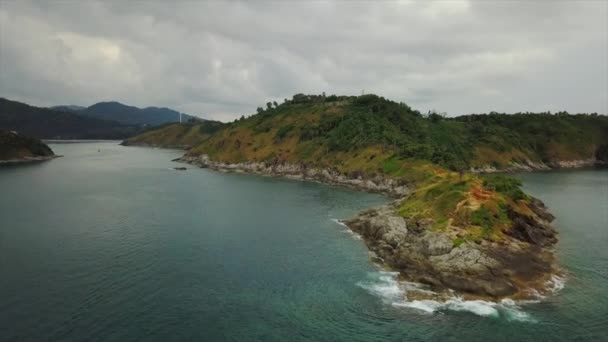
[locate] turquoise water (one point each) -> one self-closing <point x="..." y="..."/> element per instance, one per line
<point x="114" y="245"/>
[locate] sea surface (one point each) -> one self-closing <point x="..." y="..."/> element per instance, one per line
<point x="109" y="243"/>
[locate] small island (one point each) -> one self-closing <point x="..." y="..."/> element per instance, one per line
<point x="17" y="149"/>
<point x="455" y="225"/>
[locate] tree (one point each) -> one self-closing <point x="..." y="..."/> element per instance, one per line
<point x="269" y="105"/>
<point x="275" y="104"/>
<point x="260" y="110"/>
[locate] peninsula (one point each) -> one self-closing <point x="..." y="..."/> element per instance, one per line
<point x="15" y="149"/>
<point x="454" y="225"/>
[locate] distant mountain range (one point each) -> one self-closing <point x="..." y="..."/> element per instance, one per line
<point x="129" y="115"/>
<point x="46" y="123"/>
<point x="103" y="120"/>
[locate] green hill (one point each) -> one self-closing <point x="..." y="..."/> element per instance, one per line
<point x="17" y="147"/>
<point x="358" y="141"/>
<point x="369" y="136"/>
<point x="46" y="123"/>
<point x="176" y="135"/>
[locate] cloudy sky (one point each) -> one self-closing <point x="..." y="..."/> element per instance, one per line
<point x="222" y="59"/>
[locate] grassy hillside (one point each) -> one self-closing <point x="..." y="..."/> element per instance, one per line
<point x="14" y="147"/>
<point x="366" y="136"/>
<point x="371" y="134"/>
<point x="177" y="135"/>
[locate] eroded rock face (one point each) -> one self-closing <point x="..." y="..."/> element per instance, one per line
<point x="421" y="255"/>
<point x="535" y="230"/>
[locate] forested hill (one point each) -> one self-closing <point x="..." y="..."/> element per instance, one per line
<point x="14" y="146"/>
<point x="369" y="139"/>
<point x="46" y="123"/>
<point x="372" y="134"/>
<point x="129" y="115"/>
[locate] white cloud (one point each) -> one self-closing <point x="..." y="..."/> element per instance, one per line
<point x="223" y="59"/>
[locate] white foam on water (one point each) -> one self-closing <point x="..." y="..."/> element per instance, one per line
<point x="556" y="283"/>
<point x="386" y="286"/>
<point x="425" y="306"/>
<point x="339" y="222"/>
<point x="347" y="230"/>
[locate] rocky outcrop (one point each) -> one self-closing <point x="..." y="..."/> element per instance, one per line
<point x="378" y="184"/>
<point x="487" y="269"/>
<point x="515" y="267"/>
<point x="528" y="166"/>
<point x="537" y="229"/>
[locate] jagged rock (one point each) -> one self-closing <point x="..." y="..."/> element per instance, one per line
<point x="435" y="244"/>
<point x="533" y="229"/>
<point x="302" y="171"/>
<point x="486" y="269"/>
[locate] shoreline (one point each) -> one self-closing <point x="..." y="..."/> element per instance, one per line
<point x="28" y="160"/>
<point x="530" y="166"/>
<point x="521" y="268"/>
<point x="378" y="184"/>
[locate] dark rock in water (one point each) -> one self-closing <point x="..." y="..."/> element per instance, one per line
<point x="181" y="168"/>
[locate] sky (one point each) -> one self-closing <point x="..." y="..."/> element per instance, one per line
<point x="221" y="60"/>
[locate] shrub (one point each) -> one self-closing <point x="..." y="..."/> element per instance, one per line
<point x="483" y="218"/>
<point x="508" y="186"/>
<point x="282" y="132"/>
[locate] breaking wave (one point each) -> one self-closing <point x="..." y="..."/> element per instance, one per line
<point x="385" y="285"/>
<point x="347" y="230"/>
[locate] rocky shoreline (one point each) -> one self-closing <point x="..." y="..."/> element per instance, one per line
<point x="378" y="184"/>
<point x="530" y="166"/>
<point x="520" y="267"/>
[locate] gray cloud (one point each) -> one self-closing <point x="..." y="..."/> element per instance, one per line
<point x="222" y="59"/>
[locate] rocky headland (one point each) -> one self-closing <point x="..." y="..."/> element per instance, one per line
<point x="520" y="265"/>
<point x="456" y="224"/>
<point x="19" y="149"/>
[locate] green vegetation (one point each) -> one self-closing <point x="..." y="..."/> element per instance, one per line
<point x="509" y="186"/>
<point x="45" y="123"/>
<point x="176" y="134"/>
<point x="483" y="218"/>
<point x="458" y="241"/>
<point x="336" y="125"/>
<point x="16" y="146"/>
<point x="368" y="135"/>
